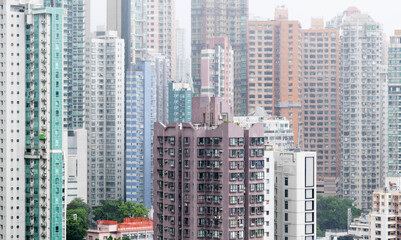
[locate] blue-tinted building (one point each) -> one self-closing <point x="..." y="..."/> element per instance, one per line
<point x="75" y="25"/>
<point x="44" y="169"/>
<point x="140" y="115"/>
<point x="179" y="102"/>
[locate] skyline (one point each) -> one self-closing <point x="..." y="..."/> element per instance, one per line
<point x="298" y="10"/>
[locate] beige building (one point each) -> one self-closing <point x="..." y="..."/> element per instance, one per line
<point x="274" y="67"/>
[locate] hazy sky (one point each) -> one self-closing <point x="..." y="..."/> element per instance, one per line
<point x="387" y="12"/>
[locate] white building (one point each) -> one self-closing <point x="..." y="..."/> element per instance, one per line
<point x="269" y="213"/>
<point x="105" y="117"/>
<point x="75" y="149"/>
<point x="362" y="111"/>
<point x="295" y="195"/>
<point x="359" y="228"/>
<point x="278" y="133"/>
<point x="12" y="120"/>
<point x="385" y="214"/>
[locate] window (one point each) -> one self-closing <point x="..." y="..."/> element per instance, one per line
<point x="286" y="205"/>
<point x="286" y="181"/>
<point x="286" y="228"/>
<point x="286" y="193"/>
<point x="285" y="216"/>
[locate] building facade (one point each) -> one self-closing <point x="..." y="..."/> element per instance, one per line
<point x="12" y="120"/>
<point x="179" y="103"/>
<point x="274" y="68"/>
<point x="278" y="134"/>
<point x="183" y="70"/>
<point x="76" y="13"/>
<point x="76" y="161"/>
<point x="105" y="117"/>
<point x="319" y="93"/>
<point x="210" y="165"/>
<point x="217" y="70"/>
<point x="385" y="214"/>
<point x="133" y="28"/>
<point x="44" y="164"/>
<point x="394" y="103"/>
<point x="227" y="18"/>
<point x="161" y="36"/>
<point x="140" y="114"/>
<point x="295" y="195"/>
<point x="133" y="228"/>
<point x="362" y="145"/>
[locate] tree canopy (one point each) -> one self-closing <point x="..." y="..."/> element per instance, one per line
<point x="117" y="210"/>
<point x="332" y="213"/>
<point x="76" y="224"/>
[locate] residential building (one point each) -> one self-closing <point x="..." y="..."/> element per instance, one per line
<point x="133" y="228"/>
<point x="274" y="67"/>
<point x="179" y="102"/>
<point x="44" y="162"/>
<point x="161" y="66"/>
<point x="229" y="19"/>
<point x="183" y="69"/>
<point x="160" y="31"/>
<point x="75" y="16"/>
<point x="278" y="134"/>
<point x="295" y="195"/>
<point x="76" y="162"/>
<point x="113" y="22"/>
<point x="217" y="70"/>
<point x="362" y="112"/>
<point x="140" y="115"/>
<point x="12" y="119"/>
<point x="133" y="27"/>
<point x="105" y="106"/>
<point x="394" y="101"/>
<point x="359" y="228"/>
<point x="203" y="167"/>
<point x="319" y="91"/>
<point x="385" y="214"/>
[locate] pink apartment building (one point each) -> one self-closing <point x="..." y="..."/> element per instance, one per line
<point x="217" y="70"/>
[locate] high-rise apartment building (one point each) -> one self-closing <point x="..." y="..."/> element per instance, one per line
<point x="385" y="212"/>
<point x="75" y="16"/>
<point x="394" y="104"/>
<point x="209" y="177"/>
<point x="160" y="30"/>
<point x="105" y="106"/>
<point x="217" y="70"/>
<point x="179" y="102"/>
<point x="140" y="115"/>
<point x="362" y="140"/>
<point x="274" y="69"/>
<point x="319" y="95"/>
<point x="133" y="15"/>
<point x="161" y="68"/>
<point x="12" y="119"/>
<point x="278" y="134"/>
<point x="295" y="195"/>
<point x="44" y="164"/>
<point x="183" y="70"/>
<point x="222" y="18"/>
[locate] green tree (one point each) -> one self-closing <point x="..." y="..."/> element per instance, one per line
<point x="130" y="209"/>
<point x="117" y="210"/>
<point x="76" y="224"/>
<point x="332" y="213"/>
<point x="78" y="203"/>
